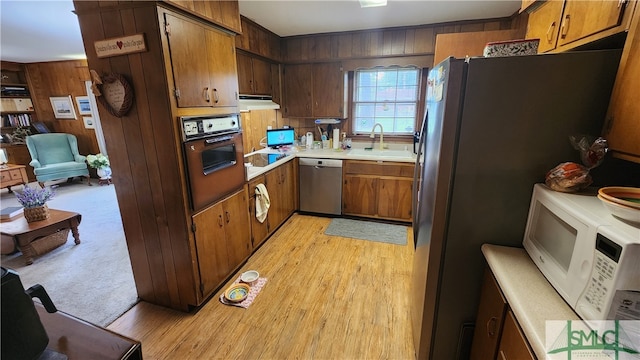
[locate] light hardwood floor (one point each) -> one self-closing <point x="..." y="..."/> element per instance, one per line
<point x="326" y="297"/>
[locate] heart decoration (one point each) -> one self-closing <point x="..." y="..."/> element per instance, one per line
<point x="119" y="43"/>
<point x="114" y="93"/>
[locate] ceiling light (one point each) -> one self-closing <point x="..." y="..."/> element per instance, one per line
<point x="372" y="3"/>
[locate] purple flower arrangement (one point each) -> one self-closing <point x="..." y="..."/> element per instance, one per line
<point x="33" y="197"/>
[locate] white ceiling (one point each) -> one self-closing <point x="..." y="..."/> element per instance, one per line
<point x="47" y="30"/>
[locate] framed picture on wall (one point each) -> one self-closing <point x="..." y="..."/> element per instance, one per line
<point x="88" y="122"/>
<point x="63" y="107"/>
<point x="84" y="106"/>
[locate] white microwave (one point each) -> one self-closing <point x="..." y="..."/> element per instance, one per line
<point x="590" y="257"/>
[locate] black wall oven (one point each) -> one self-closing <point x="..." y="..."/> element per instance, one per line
<point x="213" y="157"/>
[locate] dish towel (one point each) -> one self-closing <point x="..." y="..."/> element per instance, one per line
<point x="253" y="292"/>
<point x="262" y="202"/>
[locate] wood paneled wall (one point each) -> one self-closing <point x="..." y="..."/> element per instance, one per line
<point x="61" y="78"/>
<point x="144" y="150"/>
<point x="392" y="42"/>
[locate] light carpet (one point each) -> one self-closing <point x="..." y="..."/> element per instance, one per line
<point x="368" y="230"/>
<point x="93" y="280"/>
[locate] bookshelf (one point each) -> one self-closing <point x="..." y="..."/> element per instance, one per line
<point x="16" y="107"/>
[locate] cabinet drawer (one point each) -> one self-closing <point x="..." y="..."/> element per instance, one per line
<point x="6" y="176"/>
<point x="379" y="168"/>
<point x="15" y="174"/>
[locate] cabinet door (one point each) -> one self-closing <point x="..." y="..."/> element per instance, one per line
<point x="544" y="24"/>
<point x="489" y="320"/>
<point x="274" y="186"/>
<point x="259" y="230"/>
<point x="189" y="62"/>
<point x="237" y="229"/>
<point x="261" y="77"/>
<point x="359" y="195"/>
<point x="328" y="90"/>
<point x="513" y="344"/>
<point x="222" y="69"/>
<point x="245" y="73"/>
<point x="623" y="128"/>
<point x="394" y="199"/>
<point x="211" y="248"/>
<point x="583" y="18"/>
<point x="297" y="90"/>
<point x="288" y="189"/>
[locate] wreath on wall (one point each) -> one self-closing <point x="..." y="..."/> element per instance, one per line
<point x="113" y="92"/>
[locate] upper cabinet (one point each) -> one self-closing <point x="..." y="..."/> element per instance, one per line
<point x="222" y="12"/>
<point x="461" y="45"/>
<point x="314" y="90"/>
<point x="622" y="130"/>
<point x="561" y="26"/>
<point x="203" y="61"/>
<point x="254" y="75"/>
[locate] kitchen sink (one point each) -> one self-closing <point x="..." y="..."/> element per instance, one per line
<point x="381" y="153"/>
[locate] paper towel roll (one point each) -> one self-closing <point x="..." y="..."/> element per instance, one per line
<point x="336" y="138"/>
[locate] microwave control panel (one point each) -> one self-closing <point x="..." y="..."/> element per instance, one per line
<point x="601" y="281"/>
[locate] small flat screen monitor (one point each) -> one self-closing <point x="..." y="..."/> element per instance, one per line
<point x="280" y="137"/>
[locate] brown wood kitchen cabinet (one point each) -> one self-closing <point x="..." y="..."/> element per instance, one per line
<point x="254" y="75"/>
<point x="622" y="129"/>
<point x="513" y="345"/>
<point x="491" y="311"/>
<point x="497" y="334"/>
<point x="282" y="188"/>
<point x="563" y="25"/>
<point x="203" y="61"/>
<point x="461" y="45"/>
<point x="222" y="12"/>
<point x="223" y="240"/>
<point x="377" y="189"/>
<point x="314" y="90"/>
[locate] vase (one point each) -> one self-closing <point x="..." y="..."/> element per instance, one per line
<point x="104" y="172"/>
<point x="37" y="213"/>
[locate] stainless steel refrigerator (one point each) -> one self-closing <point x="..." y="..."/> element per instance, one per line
<point x="493" y="128"/>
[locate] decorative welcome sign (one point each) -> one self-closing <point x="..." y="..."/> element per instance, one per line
<point x="120" y="45"/>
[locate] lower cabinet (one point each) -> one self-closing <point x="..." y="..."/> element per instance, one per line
<point x="513" y="345"/>
<point x="377" y="189"/>
<point x="223" y="240"/>
<point x="281" y="186"/>
<point x="497" y="334"/>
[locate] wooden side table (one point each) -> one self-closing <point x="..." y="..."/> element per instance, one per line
<point x="78" y="339"/>
<point x="13" y="175"/>
<point x="39" y="237"/>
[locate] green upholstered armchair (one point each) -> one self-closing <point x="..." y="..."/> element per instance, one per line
<point x="55" y="156"/>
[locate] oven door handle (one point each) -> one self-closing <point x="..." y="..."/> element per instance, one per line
<point x="217" y="140"/>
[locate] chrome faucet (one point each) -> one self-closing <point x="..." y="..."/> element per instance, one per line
<point x="372" y="135"/>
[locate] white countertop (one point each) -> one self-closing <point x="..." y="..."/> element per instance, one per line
<point x="531" y="297"/>
<point x="352" y="154"/>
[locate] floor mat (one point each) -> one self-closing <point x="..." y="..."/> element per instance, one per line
<point x="368" y="230"/>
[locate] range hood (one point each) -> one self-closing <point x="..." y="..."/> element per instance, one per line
<point x="256" y="102"/>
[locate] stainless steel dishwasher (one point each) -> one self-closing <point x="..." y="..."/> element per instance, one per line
<point x="321" y="186"/>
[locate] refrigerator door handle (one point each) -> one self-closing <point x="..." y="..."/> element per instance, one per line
<point x="416" y="171"/>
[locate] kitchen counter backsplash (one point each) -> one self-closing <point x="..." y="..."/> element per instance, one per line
<point x="394" y="153"/>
